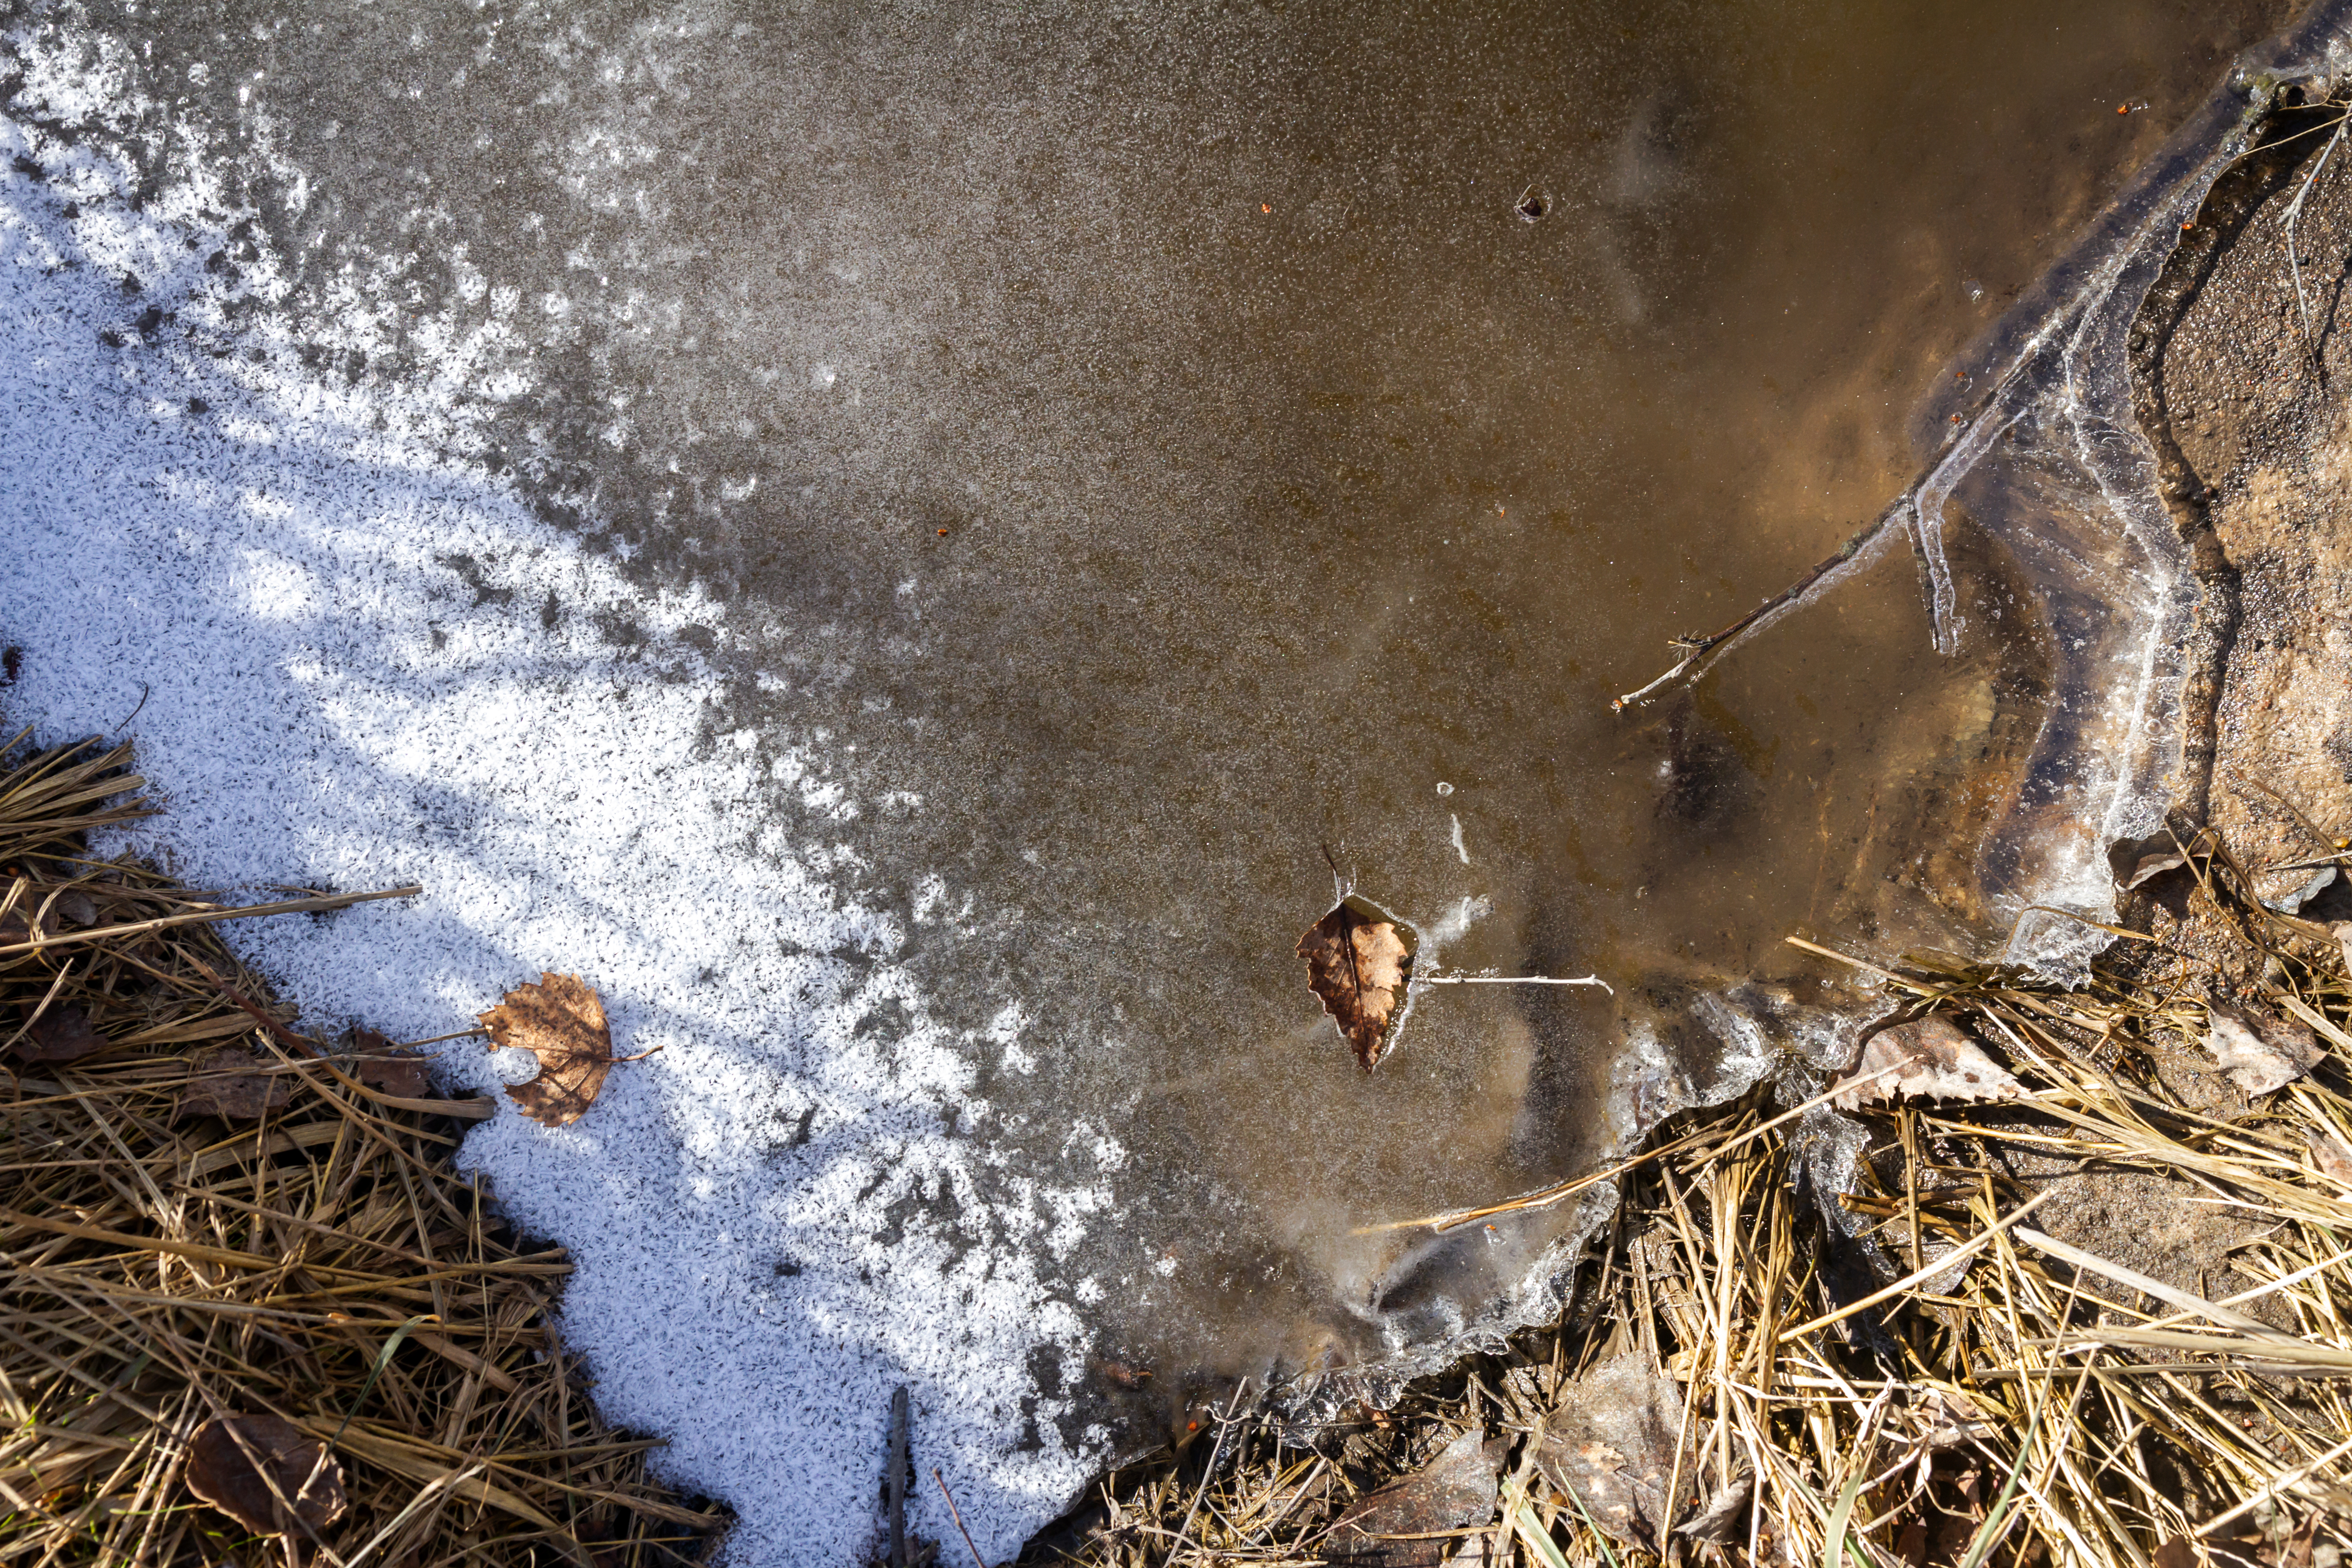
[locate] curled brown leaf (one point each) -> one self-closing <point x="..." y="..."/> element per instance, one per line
<point x="1357" y="963"/>
<point x="62" y="1033"/>
<point x="1927" y="1059"/>
<point x="388" y="1069"/>
<point x="561" y="1022"/>
<point x="1401" y="1525"/>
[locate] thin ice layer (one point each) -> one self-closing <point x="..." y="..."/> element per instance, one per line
<point x="271" y="572"/>
<point x="2041" y="452"/>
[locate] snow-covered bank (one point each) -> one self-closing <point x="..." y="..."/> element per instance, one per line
<point x="281" y="574"/>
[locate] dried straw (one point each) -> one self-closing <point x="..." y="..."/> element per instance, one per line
<point x="322" y="1262"/>
<point x="1902" y="1371"/>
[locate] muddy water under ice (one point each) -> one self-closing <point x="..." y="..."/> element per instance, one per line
<point x="1158" y="451"/>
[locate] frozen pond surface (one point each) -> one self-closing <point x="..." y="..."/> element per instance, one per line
<point x="894" y="542"/>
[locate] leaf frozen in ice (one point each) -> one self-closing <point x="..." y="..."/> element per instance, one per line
<point x="1927" y="1059"/>
<point x="2259" y="1053"/>
<point x="560" y="1022"/>
<point x="267" y="1473"/>
<point x="1356" y="964"/>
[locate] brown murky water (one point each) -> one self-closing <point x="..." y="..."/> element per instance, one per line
<point x="1163" y="444"/>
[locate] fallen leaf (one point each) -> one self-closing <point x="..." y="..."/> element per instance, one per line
<point x="61" y="1035"/>
<point x="1357" y="963"/>
<point x="1946" y="1420"/>
<point x="562" y="1022"/>
<point x="1725" y="1517"/>
<point x="1455" y="1490"/>
<point x="2259" y="1053"/>
<point x="2342" y="931"/>
<point x="2154" y="864"/>
<point x="1610" y="1443"/>
<point x="75" y="908"/>
<point x="1929" y="1058"/>
<point x="230" y="1081"/>
<point x="267" y="1473"/>
<point x="387" y="1070"/>
<point x="2334" y="1159"/>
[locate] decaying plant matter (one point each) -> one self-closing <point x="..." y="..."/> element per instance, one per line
<point x="249" y="1311"/>
<point x="1913" y="1334"/>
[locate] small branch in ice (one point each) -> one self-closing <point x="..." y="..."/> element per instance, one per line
<point x="1514" y="980"/>
<point x="1695" y="648"/>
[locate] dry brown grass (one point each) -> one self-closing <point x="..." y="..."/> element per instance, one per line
<point x="1989" y="1396"/>
<point x="323" y="1263"/>
<point x="2046" y="1404"/>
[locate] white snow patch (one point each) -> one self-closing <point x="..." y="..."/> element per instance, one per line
<point x="269" y="569"/>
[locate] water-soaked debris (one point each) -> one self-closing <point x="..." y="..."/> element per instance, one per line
<point x="1927" y="1059"/>
<point x="1609" y="1446"/>
<point x="1407" y="1523"/>
<point x="1358" y="962"/>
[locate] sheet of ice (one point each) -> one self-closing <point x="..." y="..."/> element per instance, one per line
<point x="268" y="493"/>
<point x="273" y="573"/>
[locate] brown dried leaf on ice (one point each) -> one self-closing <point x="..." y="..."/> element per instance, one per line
<point x="560" y="1022"/>
<point x="1611" y="1443"/>
<point x="388" y="1069"/>
<point x="267" y="1473"/>
<point x="2333" y="1157"/>
<point x="61" y="1035"/>
<point x="1357" y="963"/>
<point x="2259" y="1052"/>
<point x="1927" y="1059"/>
<point x="1455" y="1490"/>
<point x="231" y="1081"/>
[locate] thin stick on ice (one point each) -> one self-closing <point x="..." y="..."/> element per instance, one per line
<point x="1515" y="979"/>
